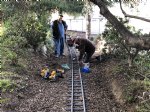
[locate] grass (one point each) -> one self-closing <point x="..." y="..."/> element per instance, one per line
<point x="10" y="75"/>
<point x="143" y="107"/>
<point x="138" y="84"/>
<point x="1" y="30"/>
<point x="135" y="89"/>
<point x="144" y="83"/>
<point x="6" y="85"/>
<point x="4" y="100"/>
<point x="4" y="74"/>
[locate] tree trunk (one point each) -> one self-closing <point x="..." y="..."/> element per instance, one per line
<point x="88" y="9"/>
<point x="130" y="60"/>
<point x="141" y="43"/>
<point x="88" y="25"/>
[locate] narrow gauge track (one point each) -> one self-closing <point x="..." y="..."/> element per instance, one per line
<point x="75" y="97"/>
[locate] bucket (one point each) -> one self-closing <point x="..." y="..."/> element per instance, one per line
<point x="86" y="65"/>
<point x="85" y="70"/>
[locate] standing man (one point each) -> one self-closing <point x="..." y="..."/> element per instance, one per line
<point x="59" y="28"/>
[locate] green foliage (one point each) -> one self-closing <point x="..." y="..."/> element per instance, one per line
<point x="11" y="41"/>
<point x="33" y="23"/>
<point x="131" y="92"/>
<point x="49" y="41"/>
<point x="145" y="84"/>
<point x="138" y="82"/>
<point x="11" y="7"/>
<point x="143" y="63"/>
<point x="130" y="3"/>
<point x="69" y="6"/>
<point x="34" y="31"/>
<point x="6" y="74"/>
<point x="1" y="31"/>
<point x="135" y="89"/>
<point x="112" y="37"/>
<point x="110" y="33"/>
<point x="6" y="85"/>
<point x="22" y="28"/>
<point x="143" y="107"/>
<point x="4" y="100"/>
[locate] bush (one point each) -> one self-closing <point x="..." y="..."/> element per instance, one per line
<point x="6" y="85"/>
<point x="34" y="31"/>
<point x="142" y="61"/>
<point x="143" y="107"/>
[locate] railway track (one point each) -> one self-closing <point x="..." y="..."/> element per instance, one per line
<point x="75" y="97"/>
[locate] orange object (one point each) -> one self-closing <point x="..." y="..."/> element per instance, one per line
<point x="53" y="74"/>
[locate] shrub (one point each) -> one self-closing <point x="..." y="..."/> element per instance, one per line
<point x="6" y="84"/>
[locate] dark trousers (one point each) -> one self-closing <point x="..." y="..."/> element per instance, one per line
<point x="88" y="56"/>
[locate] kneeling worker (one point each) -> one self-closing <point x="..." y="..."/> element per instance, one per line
<point x="84" y="46"/>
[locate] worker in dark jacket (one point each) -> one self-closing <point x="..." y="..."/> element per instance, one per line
<point x="84" y="46"/>
<point x="59" y="28"/>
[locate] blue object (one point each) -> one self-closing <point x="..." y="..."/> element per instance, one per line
<point x="62" y="45"/>
<point x="61" y="29"/>
<point x="65" y="66"/>
<point x="57" y="46"/>
<point x="85" y="70"/>
<point x="47" y="75"/>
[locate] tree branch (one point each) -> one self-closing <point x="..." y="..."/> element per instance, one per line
<point x="125" y="47"/>
<point x="135" y="54"/>
<point x="132" y="16"/>
<point x="141" y="43"/>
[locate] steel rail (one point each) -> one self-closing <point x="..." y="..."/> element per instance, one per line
<point x="77" y="99"/>
<point x="72" y="84"/>
<point x="81" y="81"/>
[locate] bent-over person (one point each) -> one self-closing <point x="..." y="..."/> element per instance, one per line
<point x="84" y="46"/>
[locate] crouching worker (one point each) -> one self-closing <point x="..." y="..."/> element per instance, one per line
<point x="86" y="48"/>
